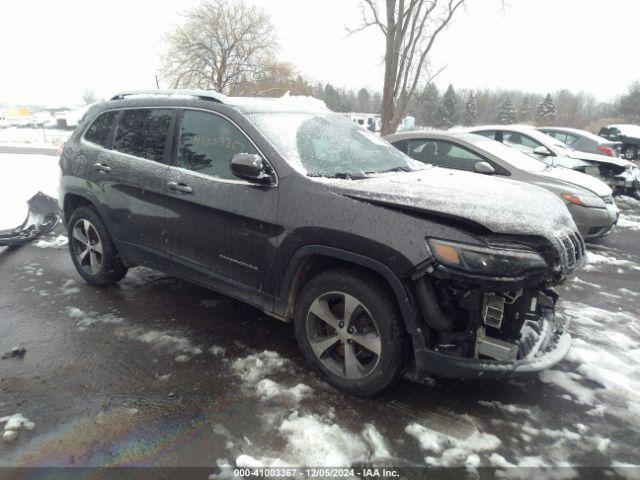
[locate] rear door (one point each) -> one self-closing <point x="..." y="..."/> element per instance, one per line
<point x="131" y="173"/>
<point x="221" y="230"/>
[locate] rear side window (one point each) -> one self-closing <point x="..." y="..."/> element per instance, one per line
<point x="143" y="133"/>
<point x="98" y="132"/>
<point x="207" y="143"/>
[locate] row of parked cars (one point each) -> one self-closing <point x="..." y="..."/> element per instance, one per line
<point x="584" y="180"/>
<point x="438" y="255"/>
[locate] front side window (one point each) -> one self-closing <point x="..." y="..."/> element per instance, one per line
<point x="143" y="133"/>
<point x="98" y="132"/>
<point x="443" y="154"/>
<point x="330" y="145"/>
<point x="207" y="143"/>
<point x="524" y="143"/>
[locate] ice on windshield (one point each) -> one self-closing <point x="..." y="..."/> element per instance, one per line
<point x="330" y="144"/>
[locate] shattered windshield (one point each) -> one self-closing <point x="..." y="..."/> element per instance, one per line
<point x="331" y="145"/>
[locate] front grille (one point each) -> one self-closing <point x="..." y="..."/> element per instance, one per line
<point x="571" y="252"/>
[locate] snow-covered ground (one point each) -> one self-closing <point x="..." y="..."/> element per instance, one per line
<point x="23" y="176"/>
<point x="33" y="137"/>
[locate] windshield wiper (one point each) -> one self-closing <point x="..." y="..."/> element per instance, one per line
<point x="394" y="169"/>
<point x="340" y="175"/>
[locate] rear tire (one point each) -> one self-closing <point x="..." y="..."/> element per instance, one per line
<point x="92" y="250"/>
<point x="630" y="152"/>
<point x="333" y="343"/>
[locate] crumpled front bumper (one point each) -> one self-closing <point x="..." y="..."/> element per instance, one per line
<point x="41" y="219"/>
<point x="554" y="347"/>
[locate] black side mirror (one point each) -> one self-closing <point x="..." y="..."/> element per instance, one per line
<point x="484" y="167"/>
<point x="250" y="167"/>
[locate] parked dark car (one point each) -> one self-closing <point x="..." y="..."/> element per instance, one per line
<point x="383" y="264"/>
<point x="628" y="135"/>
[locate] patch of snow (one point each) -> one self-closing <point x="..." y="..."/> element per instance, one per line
<point x="597" y="259"/>
<point x="85" y="320"/>
<point x="451" y="451"/>
<point x="13" y="424"/>
<point x="172" y="342"/>
<point x="255" y="367"/>
<point x="217" y="351"/>
<point x="29" y="174"/>
<point x="70" y="287"/>
<point x="60" y="241"/>
<point x="268" y="389"/>
<point x="513" y="409"/>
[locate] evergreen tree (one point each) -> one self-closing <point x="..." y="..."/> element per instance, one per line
<point x="629" y="105"/>
<point x="426" y="106"/>
<point x="546" y="114"/>
<point x="507" y="113"/>
<point x="470" y="110"/>
<point x="364" y="101"/>
<point x="448" y="111"/>
<point x="524" y="112"/>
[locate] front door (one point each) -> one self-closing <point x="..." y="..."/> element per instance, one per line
<point x="221" y="230"/>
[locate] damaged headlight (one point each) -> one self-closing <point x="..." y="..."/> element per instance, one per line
<point x="486" y="260"/>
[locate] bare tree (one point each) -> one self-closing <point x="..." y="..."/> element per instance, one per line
<point x="410" y="28"/>
<point x="222" y="45"/>
<point x="89" y="96"/>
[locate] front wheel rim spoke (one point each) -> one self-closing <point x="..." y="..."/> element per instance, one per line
<point x="350" y="306"/>
<point x="79" y="236"/>
<point x="369" y="341"/>
<point x="82" y="255"/>
<point x="353" y="369"/>
<point x="320" y="346"/>
<point x="320" y="308"/>
<point x="94" y="264"/>
<point x="97" y="247"/>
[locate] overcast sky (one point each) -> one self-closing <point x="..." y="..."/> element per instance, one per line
<point x="50" y="50"/>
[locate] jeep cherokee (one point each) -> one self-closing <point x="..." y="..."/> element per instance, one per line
<point x="384" y="265"/>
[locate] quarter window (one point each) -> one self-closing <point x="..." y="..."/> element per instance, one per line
<point x="207" y="143"/>
<point x="143" y="133"/>
<point x="98" y="132"/>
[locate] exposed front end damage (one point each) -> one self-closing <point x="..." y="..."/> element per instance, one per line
<point x="41" y="219"/>
<point x="495" y="323"/>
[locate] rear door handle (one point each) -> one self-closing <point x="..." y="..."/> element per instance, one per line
<point x="179" y="187"/>
<point x="101" y="167"/>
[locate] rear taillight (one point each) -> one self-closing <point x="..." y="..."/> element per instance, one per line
<point x="607" y="151"/>
<point x="60" y="150"/>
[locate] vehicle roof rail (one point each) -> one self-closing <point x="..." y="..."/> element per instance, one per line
<point x="199" y="94"/>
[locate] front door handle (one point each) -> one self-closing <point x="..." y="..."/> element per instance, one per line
<point x="179" y="187"/>
<point x="102" y="168"/>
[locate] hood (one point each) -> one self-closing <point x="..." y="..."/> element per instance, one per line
<point x="578" y="179"/>
<point x="567" y="162"/>
<point x="596" y="158"/>
<point x="500" y="205"/>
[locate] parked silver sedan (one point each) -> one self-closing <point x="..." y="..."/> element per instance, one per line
<point x="589" y="200"/>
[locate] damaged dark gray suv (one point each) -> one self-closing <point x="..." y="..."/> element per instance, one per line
<point x="384" y="265"/>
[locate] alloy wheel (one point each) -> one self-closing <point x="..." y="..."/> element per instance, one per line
<point x="87" y="246"/>
<point x="343" y="335"/>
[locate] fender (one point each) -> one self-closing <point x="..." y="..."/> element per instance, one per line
<point x="88" y="196"/>
<point x="405" y="298"/>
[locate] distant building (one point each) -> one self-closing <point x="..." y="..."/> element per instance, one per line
<point x="368" y="121"/>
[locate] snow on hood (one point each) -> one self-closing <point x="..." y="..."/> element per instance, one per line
<point x="501" y="205"/>
<point x="578" y="179"/>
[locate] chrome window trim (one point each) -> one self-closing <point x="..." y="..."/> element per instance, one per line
<point x="176" y="167"/>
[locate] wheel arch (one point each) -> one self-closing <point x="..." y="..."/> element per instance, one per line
<point x="72" y="201"/>
<point x="313" y="259"/>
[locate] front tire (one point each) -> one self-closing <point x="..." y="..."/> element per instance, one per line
<point x="92" y="250"/>
<point x="350" y="331"/>
<point x="630" y="152"/>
